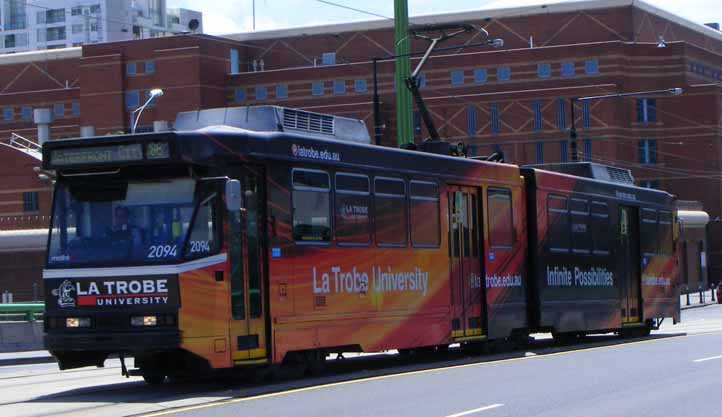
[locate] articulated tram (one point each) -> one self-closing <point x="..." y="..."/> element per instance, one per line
<point x="258" y="236"/>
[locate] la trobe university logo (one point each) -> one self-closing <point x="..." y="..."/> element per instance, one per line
<point x="65" y="294"/>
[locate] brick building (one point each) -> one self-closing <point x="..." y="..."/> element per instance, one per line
<point x="514" y="98"/>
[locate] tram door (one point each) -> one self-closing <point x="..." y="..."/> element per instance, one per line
<point x="466" y="283"/>
<point x="248" y="309"/>
<point x="630" y="261"/>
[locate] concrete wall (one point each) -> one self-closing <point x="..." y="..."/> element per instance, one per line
<point x="18" y="336"/>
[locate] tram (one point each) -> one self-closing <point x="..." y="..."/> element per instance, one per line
<point x="257" y="236"/>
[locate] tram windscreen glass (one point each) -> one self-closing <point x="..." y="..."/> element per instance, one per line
<point x="126" y="223"/>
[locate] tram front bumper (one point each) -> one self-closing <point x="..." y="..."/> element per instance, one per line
<point x="145" y="341"/>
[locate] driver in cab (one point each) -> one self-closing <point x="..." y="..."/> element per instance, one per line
<point x="123" y="229"/>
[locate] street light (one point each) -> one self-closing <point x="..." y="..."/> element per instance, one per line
<point x="156" y="92"/>
<point x="573" y="130"/>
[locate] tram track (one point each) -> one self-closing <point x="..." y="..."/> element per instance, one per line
<point x="105" y="392"/>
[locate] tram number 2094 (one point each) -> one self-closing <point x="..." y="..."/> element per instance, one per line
<point x="162" y="251"/>
<point x="200" y="246"/>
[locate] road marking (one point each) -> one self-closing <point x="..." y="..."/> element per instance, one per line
<point x="476" y="410"/>
<point x="711" y="358"/>
<point x="381" y="377"/>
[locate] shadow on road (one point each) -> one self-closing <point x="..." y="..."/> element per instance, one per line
<point x="224" y="386"/>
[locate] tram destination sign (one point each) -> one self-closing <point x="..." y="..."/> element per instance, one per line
<point x="97" y="155"/>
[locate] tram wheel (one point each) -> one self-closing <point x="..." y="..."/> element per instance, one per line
<point x="406" y="352"/>
<point x="315" y="362"/>
<point x="565" y="338"/>
<point x="154" y="379"/>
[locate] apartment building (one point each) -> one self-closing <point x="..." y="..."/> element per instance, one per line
<point x="53" y="24"/>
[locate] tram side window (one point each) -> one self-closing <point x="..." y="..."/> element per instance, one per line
<point x="501" y="222"/>
<point x="424" y="214"/>
<point x="352" y="209"/>
<point x="581" y="232"/>
<point x="202" y="238"/>
<point x="665" y="232"/>
<point x="558" y="223"/>
<point x="601" y="228"/>
<point x="311" y="206"/>
<point x="649" y="235"/>
<point x="390" y="211"/>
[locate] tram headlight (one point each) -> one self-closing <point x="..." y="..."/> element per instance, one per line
<point x="77" y="322"/>
<point x="144" y="321"/>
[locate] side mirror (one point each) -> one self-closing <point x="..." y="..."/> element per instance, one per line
<point x="234" y="200"/>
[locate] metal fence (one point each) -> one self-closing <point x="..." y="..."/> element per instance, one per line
<point x="21" y="311"/>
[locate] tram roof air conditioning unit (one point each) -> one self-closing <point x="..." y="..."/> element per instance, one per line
<point x="590" y="170"/>
<point x="275" y="119"/>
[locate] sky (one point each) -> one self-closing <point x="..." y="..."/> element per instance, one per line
<point x="233" y="16"/>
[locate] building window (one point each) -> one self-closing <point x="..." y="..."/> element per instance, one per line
<point x="359" y="86"/>
<point x="457" y="77"/>
<point x="567" y="69"/>
<point x="540" y="152"/>
<point x="317" y="88"/>
<point x="282" y="91"/>
<point x="586" y="121"/>
<point x="95" y="9"/>
<point x="311" y="206"/>
<point x="495" y="126"/>
<point x="239" y="95"/>
<point x="646" y="110"/>
<point x="30" y="201"/>
<point x="480" y="76"/>
<point x="132" y="99"/>
<point x="328" y="58"/>
<point x="561" y="114"/>
<point x="544" y="70"/>
<point x="591" y="66"/>
<point x="130" y="68"/>
<point x="59" y="109"/>
<point x="27" y="113"/>
<point x="8" y="114"/>
<point x="261" y="93"/>
<point x="648" y="151"/>
<point x="235" y="62"/>
<point x="77" y="29"/>
<point x="471" y="120"/>
<point x="76" y="108"/>
<point x="339" y="87"/>
<point x="55" y="34"/>
<point x="14" y="15"/>
<point x="503" y="74"/>
<point x="54" y="16"/>
<point x="149" y="67"/>
<point x="76" y="10"/>
<point x="563" y="152"/>
<point x="588" y="150"/>
<point x="417" y="123"/>
<point x="537" y="116"/>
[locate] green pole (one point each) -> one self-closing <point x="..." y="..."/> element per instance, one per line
<point x="404" y="122"/>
